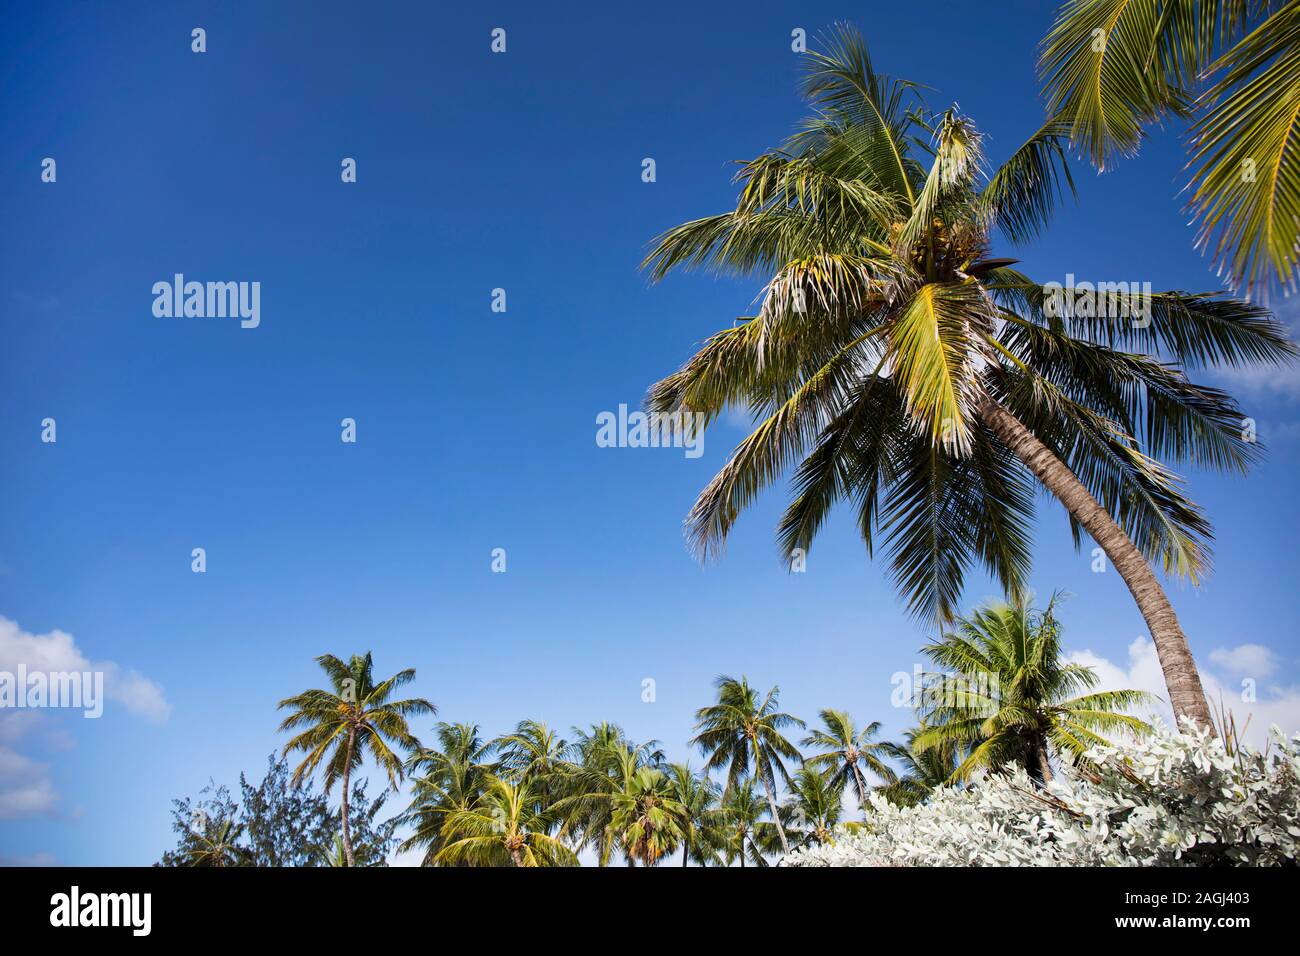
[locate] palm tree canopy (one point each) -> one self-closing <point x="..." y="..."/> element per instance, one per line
<point x="504" y="827"/>
<point x="355" y="708"/>
<point x="848" y="751"/>
<point x="742" y="732"/>
<point x="1112" y="67"/>
<point x="885" y="330"/>
<point x="1008" y="689"/>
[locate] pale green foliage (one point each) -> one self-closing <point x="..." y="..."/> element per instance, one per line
<point x="1171" y="800"/>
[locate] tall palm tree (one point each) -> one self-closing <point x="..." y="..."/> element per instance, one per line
<point x="848" y="752"/>
<point x="1014" y="699"/>
<point x="448" y="779"/>
<point x="903" y="369"/>
<point x="924" y="771"/>
<point x="504" y="828"/>
<point x="814" y="806"/>
<point x="703" y="830"/>
<point x="353" y="718"/>
<point x="745" y="830"/>
<point x="743" y="733"/>
<point x="1232" y="67"/>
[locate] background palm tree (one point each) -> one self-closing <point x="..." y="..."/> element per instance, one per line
<point x="745" y="829"/>
<point x="743" y="734"/>
<point x="1112" y="67"/>
<point x="1014" y="699"/>
<point x="814" y="806"/>
<point x="600" y="763"/>
<point x="924" y="771"/>
<point x="647" y="817"/>
<point x="703" y="829"/>
<point x="503" y="828"/>
<point x="848" y="753"/>
<point x="903" y="369"/>
<point x="353" y="718"/>
<point x="447" y="779"/>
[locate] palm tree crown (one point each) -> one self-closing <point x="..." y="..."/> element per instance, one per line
<point x="904" y="370"/>
<point x="848" y="752"/>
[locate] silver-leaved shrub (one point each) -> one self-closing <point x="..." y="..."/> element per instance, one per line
<point x="1171" y="800"/>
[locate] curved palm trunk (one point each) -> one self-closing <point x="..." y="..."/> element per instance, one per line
<point x="347" y="776"/>
<point x="771" y="802"/>
<point x="1184" y="683"/>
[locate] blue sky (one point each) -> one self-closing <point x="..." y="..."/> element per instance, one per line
<point x="475" y="429"/>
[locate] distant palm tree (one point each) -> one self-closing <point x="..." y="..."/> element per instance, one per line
<point x="214" y="843"/>
<point x="848" y="751"/>
<point x="1233" y="67"/>
<point x="447" y="779"/>
<point x="743" y="734"/>
<point x="703" y="823"/>
<point x="600" y="761"/>
<point x="924" y="771"/>
<point x="814" y="806"/>
<point x="895" y="364"/>
<point x="1013" y="699"/>
<point x="503" y="828"/>
<point x="353" y="718"/>
<point x="745" y="830"/>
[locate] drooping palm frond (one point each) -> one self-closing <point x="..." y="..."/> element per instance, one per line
<point x="1246" y="149"/>
<point x="1112" y="67"/>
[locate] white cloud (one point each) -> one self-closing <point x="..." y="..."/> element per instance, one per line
<point x="36" y="859"/>
<point x="26" y="788"/>
<point x="1273" y="705"/>
<point x="1246" y="660"/>
<point x="58" y="652"/>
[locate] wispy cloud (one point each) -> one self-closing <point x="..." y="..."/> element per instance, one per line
<point x="26" y="787"/>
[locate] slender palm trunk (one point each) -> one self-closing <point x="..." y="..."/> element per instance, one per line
<point x="686" y="851"/>
<point x="517" y="857"/>
<point x="1181" y="678"/>
<point x="347" y="777"/>
<point x="862" y="789"/>
<point x="771" y="802"/>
